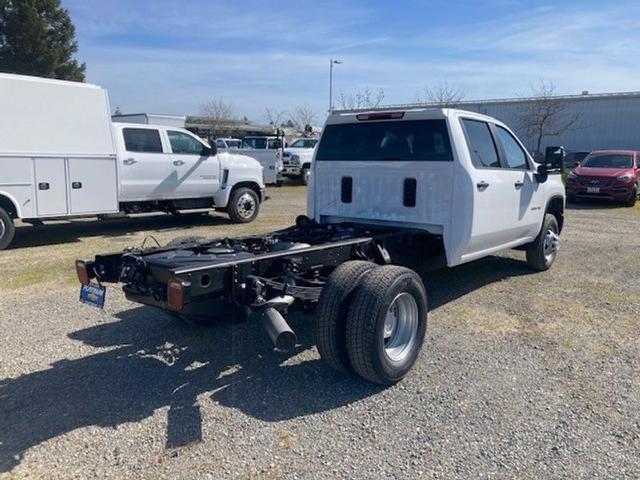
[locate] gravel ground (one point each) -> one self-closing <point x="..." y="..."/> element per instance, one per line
<point x="522" y="376"/>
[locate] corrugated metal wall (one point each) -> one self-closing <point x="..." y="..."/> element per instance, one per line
<point x="604" y="122"/>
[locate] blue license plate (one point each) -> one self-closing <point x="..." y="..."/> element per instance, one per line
<point x="93" y="295"/>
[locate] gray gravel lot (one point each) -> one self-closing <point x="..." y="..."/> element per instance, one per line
<point x="523" y="375"/>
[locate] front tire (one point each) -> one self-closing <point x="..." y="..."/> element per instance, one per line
<point x="304" y="176"/>
<point x="244" y="205"/>
<point x="545" y="247"/>
<point x="331" y="313"/>
<point x="387" y="323"/>
<point x="633" y="197"/>
<point x="7" y="229"/>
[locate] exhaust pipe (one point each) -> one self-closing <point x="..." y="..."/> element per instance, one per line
<point x="283" y="338"/>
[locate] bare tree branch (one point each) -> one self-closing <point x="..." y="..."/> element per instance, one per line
<point x="545" y="115"/>
<point x="216" y="112"/>
<point x="275" y="117"/>
<point x="303" y="115"/>
<point x="361" y="99"/>
<point x="443" y="94"/>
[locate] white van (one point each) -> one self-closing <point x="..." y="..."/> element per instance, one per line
<point x="60" y="157"/>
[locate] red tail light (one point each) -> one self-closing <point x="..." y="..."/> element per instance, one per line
<point x="175" y="294"/>
<point x="82" y="272"/>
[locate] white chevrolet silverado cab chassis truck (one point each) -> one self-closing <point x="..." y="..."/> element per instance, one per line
<point x="391" y="192"/>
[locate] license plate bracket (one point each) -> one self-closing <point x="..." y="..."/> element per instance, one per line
<point x="93" y="295"/>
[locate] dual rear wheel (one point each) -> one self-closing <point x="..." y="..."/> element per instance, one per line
<point x="372" y="320"/>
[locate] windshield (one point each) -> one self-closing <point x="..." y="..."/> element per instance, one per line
<point x="608" y="161"/>
<point x="233" y="143"/>
<point x="304" y="143"/>
<point x="425" y="140"/>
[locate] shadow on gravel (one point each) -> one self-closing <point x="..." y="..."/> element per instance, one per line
<point x="72" y="231"/>
<point x="595" y="204"/>
<point x="155" y="362"/>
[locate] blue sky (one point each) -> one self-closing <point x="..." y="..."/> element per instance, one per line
<point x="169" y="56"/>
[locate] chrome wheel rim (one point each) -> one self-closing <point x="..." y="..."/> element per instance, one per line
<point x="400" y="329"/>
<point x="246" y="205"/>
<point x="3" y="229"/>
<point x="551" y="245"/>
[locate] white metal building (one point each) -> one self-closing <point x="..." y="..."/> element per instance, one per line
<point x="604" y="121"/>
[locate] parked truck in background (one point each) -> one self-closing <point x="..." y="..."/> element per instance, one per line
<point x="266" y="150"/>
<point x="392" y="192"/>
<point x="297" y="158"/>
<point x="61" y="157"/>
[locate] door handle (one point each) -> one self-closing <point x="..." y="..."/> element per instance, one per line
<point x="129" y="161"/>
<point x="519" y="184"/>
<point x="177" y="163"/>
<point x="482" y="185"/>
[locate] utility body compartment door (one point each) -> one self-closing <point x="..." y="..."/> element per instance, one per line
<point x="51" y="186"/>
<point x="92" y="185"/>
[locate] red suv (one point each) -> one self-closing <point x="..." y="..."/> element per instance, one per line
<point x="608" y="174"/>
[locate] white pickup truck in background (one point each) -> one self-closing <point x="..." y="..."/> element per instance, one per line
<point x="297" y="158"/>
<point x="61" y="156"/>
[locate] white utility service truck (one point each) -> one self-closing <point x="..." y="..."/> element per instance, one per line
<point x="392" y="192"/>
<point x="61" y="156"/>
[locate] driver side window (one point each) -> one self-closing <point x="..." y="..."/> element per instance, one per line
<point x="183" y="143"/>
<point x="515" y="157"/>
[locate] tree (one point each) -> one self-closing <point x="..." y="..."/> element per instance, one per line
<point x="443" y="95"/>
<point x="361" y="99"/>
<point x="274" y="116"/>
<point x="303" y="116"/>
<point x="216" y="112"/>
<point x="38" y="38"/>
<point x="545" y="115"/>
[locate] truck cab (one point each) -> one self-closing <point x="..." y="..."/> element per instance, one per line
<point x="457" y="174"/>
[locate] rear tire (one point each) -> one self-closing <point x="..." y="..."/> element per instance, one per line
<point x="7" y="229"/>
<point x="386" y="324"/>
<point x="544" y="250"/>
<point x="331" y="313"/>
<point x="244" y="205"/>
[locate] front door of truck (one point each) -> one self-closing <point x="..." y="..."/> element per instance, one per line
<point x="146" y="171"/>
<point x="198" y="173"/>
<point x="493" y="191"/>
<point x="529" y="194"/>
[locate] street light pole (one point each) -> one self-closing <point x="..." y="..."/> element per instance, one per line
<point x="331" y="63"/>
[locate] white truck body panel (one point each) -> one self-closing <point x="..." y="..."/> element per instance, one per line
<point x="53" y="135"/>
<point x="60" y="155"/>
<point x="151" y="119"/>
<point x="473" y="221"/>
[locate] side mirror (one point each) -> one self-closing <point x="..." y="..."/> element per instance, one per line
<point x="209" y="151"/>
<point x="542" y="174"/>
<point x="554" y="157"/>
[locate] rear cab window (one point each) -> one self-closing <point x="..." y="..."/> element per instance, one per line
<point x="146" y="140"/>
<point x="407" y="140"/>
